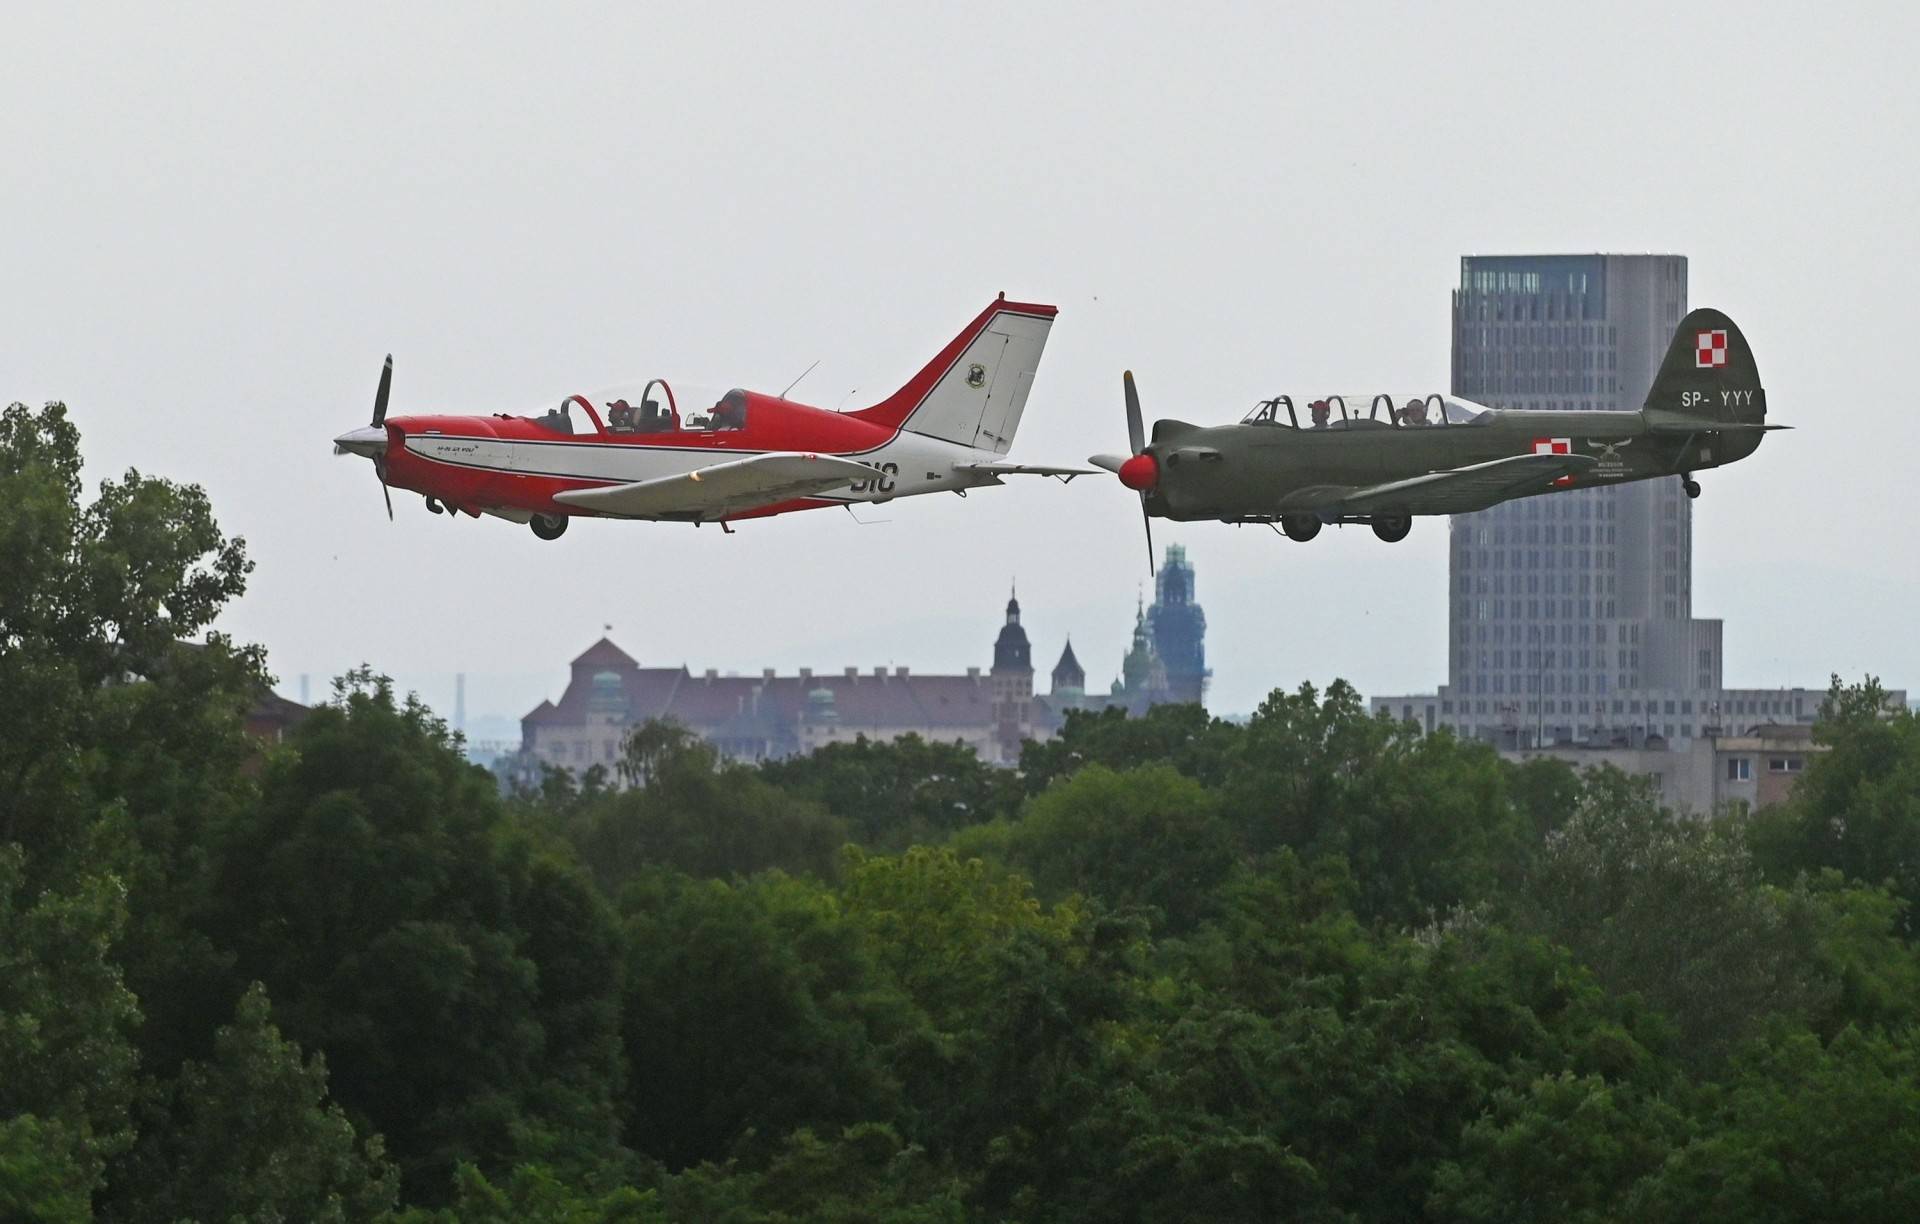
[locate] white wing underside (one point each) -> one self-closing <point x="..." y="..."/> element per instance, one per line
<point x="723" y="488"/>
<point x="1023" y="469"/>
<point x="1453" y="491"/>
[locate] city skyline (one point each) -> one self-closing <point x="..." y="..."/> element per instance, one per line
<point x="222" y="248"/>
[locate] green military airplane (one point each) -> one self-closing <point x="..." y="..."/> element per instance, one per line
<point x="1442" y="454"/>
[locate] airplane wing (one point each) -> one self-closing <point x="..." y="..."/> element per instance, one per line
<point x="1457" y="490"/>
<point x="737" y="484"/>
<point x="1023" y="469"/>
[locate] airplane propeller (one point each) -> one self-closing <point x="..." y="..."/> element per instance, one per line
<point x="1137" y="470"/>
<point x="380" y="395"/>
<point x="372" y="441"/>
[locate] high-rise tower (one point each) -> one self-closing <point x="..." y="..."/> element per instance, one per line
<point x="1566" y="613"/>
<point x="1558" y="602"/>
<point x="1570" y="617"/>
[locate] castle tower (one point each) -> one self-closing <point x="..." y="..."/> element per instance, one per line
<point x="1012" y="680"/>
<point x="1143" y="676"/>
<point x="1069" y="678"/>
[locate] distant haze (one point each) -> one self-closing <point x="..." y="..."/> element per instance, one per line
<point x="216" y="222"/>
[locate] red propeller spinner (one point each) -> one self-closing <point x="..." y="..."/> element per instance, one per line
<point x="1140" y="473"/>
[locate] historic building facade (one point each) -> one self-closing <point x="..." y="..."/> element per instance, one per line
<point x="769" y="715"/>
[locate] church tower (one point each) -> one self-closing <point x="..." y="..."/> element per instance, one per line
<point x="1012" y="680"/>
<point x="1069" y="679"/>
<point x="1179" y="630"/>
<point x="1143" y="677"/>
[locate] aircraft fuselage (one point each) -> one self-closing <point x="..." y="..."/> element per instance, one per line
<point x="1263" y="471"/>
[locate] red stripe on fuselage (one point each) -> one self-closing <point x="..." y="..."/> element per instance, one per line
<point x="772" y="424"/>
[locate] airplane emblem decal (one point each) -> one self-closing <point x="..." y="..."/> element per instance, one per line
<point x="1608" y="450"/>
<point x="1710" y="349"/>
<point x="976" y="375"/>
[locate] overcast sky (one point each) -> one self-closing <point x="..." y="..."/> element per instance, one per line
<point x="216" y="221"/>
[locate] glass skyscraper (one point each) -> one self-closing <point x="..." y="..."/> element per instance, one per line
<point x="1561" y="602"/>
<point x="1570" y="616"/>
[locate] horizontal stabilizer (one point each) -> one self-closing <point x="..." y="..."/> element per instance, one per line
<point x="724" y="488"/>
<point x="1684" y="424"/>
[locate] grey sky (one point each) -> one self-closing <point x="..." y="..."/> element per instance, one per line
<point x="216" y="222"/>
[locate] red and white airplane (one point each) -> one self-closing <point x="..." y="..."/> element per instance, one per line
<point x="663" y="454"/>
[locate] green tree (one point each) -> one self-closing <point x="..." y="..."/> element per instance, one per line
<point x="1673" y="909"/>
<point x="251" y="1135"/>
<point x="67" y="1061"/>
<point x="1857" y="807"/>
<point x="1183" y="736"/>
<point x="455" y="979"/>
<point x="1802" y="1132"/>
<point x="1545" y="790"/>
<point x="695" y="813"/>
<point x="1145" y="837"/>
<point x="1564" y="1147"/>
<point x="94" y="594"/>
<point x="748" y="1007"/>
<point x="936" y="923"/>
<point x="120" y="744"/>
<point x="1424" y="821"/>
<point x="895" y="793"/>
<point x="44" y="1175"/>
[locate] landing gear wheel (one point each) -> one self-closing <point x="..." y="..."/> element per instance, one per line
<point x="1691" y="486"/>
<point x="1392" y="528"/>
<point x="1301" y="527"/>
<point x="549" y="526"/>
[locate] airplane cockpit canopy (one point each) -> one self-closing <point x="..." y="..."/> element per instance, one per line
<point x="651" y="407"/>
<point x="1382" y="411"/>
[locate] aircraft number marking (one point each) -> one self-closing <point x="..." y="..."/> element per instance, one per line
<point x="882" y="481"/>
<point x="1728" y="399"/>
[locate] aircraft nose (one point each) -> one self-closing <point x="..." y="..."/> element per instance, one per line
<point x="367" y="440"/>
<point x="1140" y="473"/>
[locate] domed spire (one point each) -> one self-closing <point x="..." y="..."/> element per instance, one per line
<point x="1011" y="651"/>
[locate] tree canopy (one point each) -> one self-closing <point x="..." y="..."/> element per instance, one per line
<point x="1317" y="966"/>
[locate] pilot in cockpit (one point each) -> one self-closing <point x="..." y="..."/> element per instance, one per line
<point x="1321" y="409"/>
<point x="1415" y="413"/>
<point x="620" y="416"/>
<point x="731" y="411"/>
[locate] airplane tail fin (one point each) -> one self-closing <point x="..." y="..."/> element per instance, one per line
<point x="1708" y="380"/>
<point x="975" y="389"/>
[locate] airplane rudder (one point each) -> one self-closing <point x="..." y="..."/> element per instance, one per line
<point x="1709" y="370"/>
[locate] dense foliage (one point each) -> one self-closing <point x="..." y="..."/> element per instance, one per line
<point x="1315" y="967"/>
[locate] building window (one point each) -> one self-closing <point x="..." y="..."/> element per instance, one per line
<point x="1785" y="764"/>
<point x="1739" y="769"/>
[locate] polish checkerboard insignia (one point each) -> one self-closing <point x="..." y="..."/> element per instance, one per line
<point x="1710" y="349"/>
<point x="1555" y="446"/>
